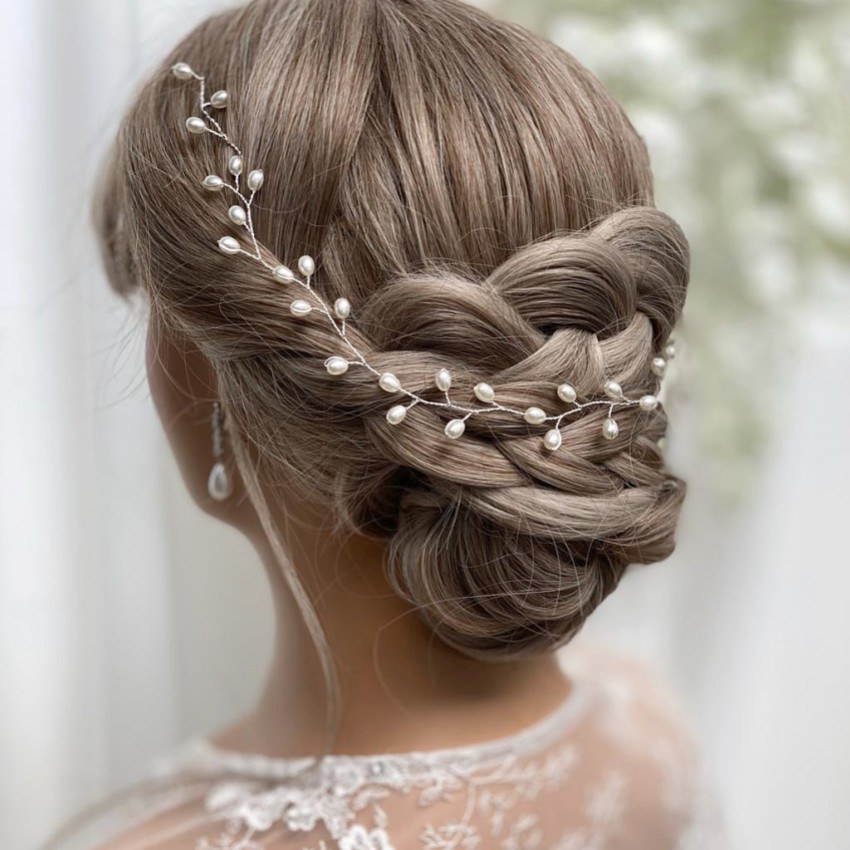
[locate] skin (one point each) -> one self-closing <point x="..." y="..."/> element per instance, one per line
<point x="401" y="688"/>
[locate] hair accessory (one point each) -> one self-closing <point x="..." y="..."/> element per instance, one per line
<point x="240" y="214"/>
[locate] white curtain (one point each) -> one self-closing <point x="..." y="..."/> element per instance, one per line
<point x="129" y="621"/>
<point x="116" y="638"/>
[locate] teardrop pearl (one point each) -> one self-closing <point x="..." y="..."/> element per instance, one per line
<point x="300" y="307"/>
<point x="237" y="215"/>
<point x="455" y="428"/>
<point x="284" y="274"/>
<point x="336" y="365"/>
<point x="396" y="414"/>
<point x="228" y="245"/>
<point x="567" y="393"/>
<point x="659" y="366"/>
<point x="610" y="429"/>
<point x="648" y="402"/>
<point x="220" y="99"/>
<point x="195" y="125"/>
<point x="219" y="485"/>
<point x="342" y="308"/>
<point x="234" y="165"/>
<point x="213" y="183"/>
<point x="613" y="390"/>
<point x="182" y="71"/>
<point x="389" y="383"/>
<point x="484" y="392"/>
<point x="670" y="350"/>
<point x="256" y="179"/>
<point x="535" y="416"/>
<point x="443" y="380"/>
<point x="306" y="265"/>
<point x="552" y="440"/>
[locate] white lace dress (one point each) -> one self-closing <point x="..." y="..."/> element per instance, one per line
<point x="613" y="768"/>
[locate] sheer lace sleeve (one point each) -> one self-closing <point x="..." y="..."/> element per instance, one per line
<point x="657" y="794"/>
<point x="613" y="768"/>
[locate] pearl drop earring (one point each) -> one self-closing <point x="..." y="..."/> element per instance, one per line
<point x="219" y="484"/>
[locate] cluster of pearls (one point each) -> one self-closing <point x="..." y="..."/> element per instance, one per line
<point x="240" y="214"/>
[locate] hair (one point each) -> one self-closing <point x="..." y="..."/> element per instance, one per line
<point x="487" y="206"/>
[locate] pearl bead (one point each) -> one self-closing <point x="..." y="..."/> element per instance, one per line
<point x="342" y="308"/>
<point x="237" y="215"/>
<point x="610" y="429"/>
<point x="484" y="392"/>
<point x="219" y="485"/>
<point x="229" y="245"/>
<point x="306" y="265"/>
<point x="455" y="428"/>
<point x="213" y="183"/>
<point x="552" y="440"/>
<point x="195" y="125"/>
<point x="567" y="393"/>
<point x="300" y="307"/>
<point x="234" y="165"/>
<point x="613" y="390"/>
<point x="534" y="416"/>
<point x="336" y="365"/>
<point x="648" y="402"/>
<point x="396" y="414"/>
<point x="670" y="350"/>
<point x="182" y="71"/>
<point x="284" y="274"/>
<point x="443" y="380"/>
<point x="389" y="383"/>
<point x="220" y="99"/>
<point x="256" y="178"/>
<point x="659" y="366"/>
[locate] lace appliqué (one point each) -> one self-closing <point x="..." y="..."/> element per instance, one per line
<point x="338" y="794"/>
<point x="612" y="769"/>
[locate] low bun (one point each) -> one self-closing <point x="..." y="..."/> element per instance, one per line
<point x="506" y="548"/>
<point x="511" y="572"/>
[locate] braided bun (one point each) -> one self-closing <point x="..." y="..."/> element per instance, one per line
<point x="503" y="546"/>
<point x="487" y="207"/>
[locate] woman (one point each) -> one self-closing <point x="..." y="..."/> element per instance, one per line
<point x="410" y="308"/>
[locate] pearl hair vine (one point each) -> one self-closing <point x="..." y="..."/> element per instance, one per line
<point x="240" y="214"/>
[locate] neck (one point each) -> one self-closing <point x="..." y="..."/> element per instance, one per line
<point x="400" y="688"/>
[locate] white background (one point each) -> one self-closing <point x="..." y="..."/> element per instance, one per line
<point x="129" y="621"/>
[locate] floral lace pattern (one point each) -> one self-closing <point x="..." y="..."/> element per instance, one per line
<point x="337" y="797"/>
<point x="340" y="789"/>
<point x="610" y="769"/>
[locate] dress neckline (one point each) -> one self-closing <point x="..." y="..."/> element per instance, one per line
<point x="203" y="756"/>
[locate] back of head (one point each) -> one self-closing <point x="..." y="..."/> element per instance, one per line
<point x="486" y="206"/>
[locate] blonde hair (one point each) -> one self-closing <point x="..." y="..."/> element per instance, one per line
<point x="487" y="206"/>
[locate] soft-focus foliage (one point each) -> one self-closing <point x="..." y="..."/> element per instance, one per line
<point x="745" y="110"/>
